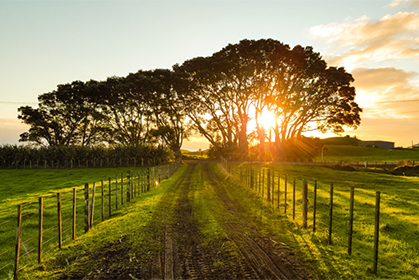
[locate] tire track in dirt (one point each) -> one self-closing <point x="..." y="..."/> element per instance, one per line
<point x="192" y="258"/>
<point x="258" y="252"/>
<point x="191" y="261"/>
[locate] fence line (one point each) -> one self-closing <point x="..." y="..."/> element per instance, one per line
<point x="236" y="172"/>
<point x="136" y="184"/>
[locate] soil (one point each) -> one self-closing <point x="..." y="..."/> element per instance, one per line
<point x="183" y="254"/>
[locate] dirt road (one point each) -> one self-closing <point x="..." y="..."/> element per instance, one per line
<point x="258" y="257"/>
<point x="206" y="234"/>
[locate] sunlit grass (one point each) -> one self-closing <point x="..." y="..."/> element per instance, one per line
<point x="136" y="225"/>
<point x="354" y="154"/>
<point x="132" y="229"/>
<point x="26" y="186"/>
<point x="399" y="222"/>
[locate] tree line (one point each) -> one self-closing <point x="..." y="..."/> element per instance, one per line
<point x="215" y="96"/>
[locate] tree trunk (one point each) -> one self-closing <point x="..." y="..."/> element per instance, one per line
<point x="243" y="143"/>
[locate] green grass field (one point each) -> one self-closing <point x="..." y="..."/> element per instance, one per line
<point x="337" y="153"/>
<point x="24" y="187"/>
<point x="399" y="220"/>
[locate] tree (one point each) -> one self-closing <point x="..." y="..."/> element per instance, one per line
<point x="242" y="80"/>
<point x="168" y="109"/>
<point x="210" y="113"/>
<point x="311" y="96"/>
<point x="225" y="87"/>
<point x="145" y="108"/>
<point x="128" y="102"/>
<point x="69" y="115"/>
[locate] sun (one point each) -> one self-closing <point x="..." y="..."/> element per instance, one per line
<point x="267" y="119"/>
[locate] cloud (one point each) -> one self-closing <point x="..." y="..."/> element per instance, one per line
<point x="386" y="92"/>
<point x="412" y="3"/>
<point x="381" y="77"/>
<point x="388" y="95"/>
<point x="390" y="38"/>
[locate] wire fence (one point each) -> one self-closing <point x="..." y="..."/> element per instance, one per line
<point x="39" y="229"/>
<point x="364" y="225"/>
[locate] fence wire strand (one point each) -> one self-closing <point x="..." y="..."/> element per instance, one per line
<point x="5" y="222"/>
<point x="29" y="239"/>
<point x="45" y="242"/>
<point x="5" y="252"/>
<point x="3" y="267"/>
<point x="4" y="210"/>
<point x="28" y="252"/>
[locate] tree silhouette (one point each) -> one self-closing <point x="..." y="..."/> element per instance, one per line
<point x="69" y="115"/>
<point x="216" y="96"/>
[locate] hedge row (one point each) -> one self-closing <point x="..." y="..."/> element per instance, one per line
<point x="14" y="156"/>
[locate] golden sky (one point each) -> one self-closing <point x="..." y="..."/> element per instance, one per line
<point x="46" y="43"/>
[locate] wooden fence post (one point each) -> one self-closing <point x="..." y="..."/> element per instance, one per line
<point x="74" y="215"/>
<point x="86" y="207"/>
<point x="148" y="178"/>
<point x="60" y="227"/>
<point x="141" y="180"/>
<point x="110" y="197"/>
<point x="268" y="175"/>
<point x="314" y="206"/>
<point x="122" y="189"/>
<point x="17" y="251"/>
<point x="92" y="209"/>
<point x="140" y="183"/>
<point x="273" y="187"/>
<point x="377" y="230"/>
<point x="330" y="215"/>
<point x="40" y="228"/>
<point x="103" y="202"/>
<point x="134" y="186"/>
<point x="279" y="190"/>
<point x="351" y="220"/>
<point x="293" y="200"/>
<point x="128" y="188"/>
<point x="251" y="178"/>
<point x="263" y="183"/>
<point x="305" y="202"/>
<point x="116" y="192"/>
<point x="285" y="194"/>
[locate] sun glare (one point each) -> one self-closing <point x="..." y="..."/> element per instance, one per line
<point x="267" y="119"/>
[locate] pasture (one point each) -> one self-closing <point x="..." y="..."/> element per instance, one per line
<point x="399" y="218"/>
<point x="63" y="188"/>
<point x="354" y="154"/>
<point x="143" y="232"/>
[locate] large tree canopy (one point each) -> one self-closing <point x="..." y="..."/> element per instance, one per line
<point x="218" y="96"/>
<point x="243" y="80"/>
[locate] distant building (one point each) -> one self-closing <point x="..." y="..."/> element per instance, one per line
<point x="376" y="144"/>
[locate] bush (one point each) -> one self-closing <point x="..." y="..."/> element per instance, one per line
<point x="13" y="156"/>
